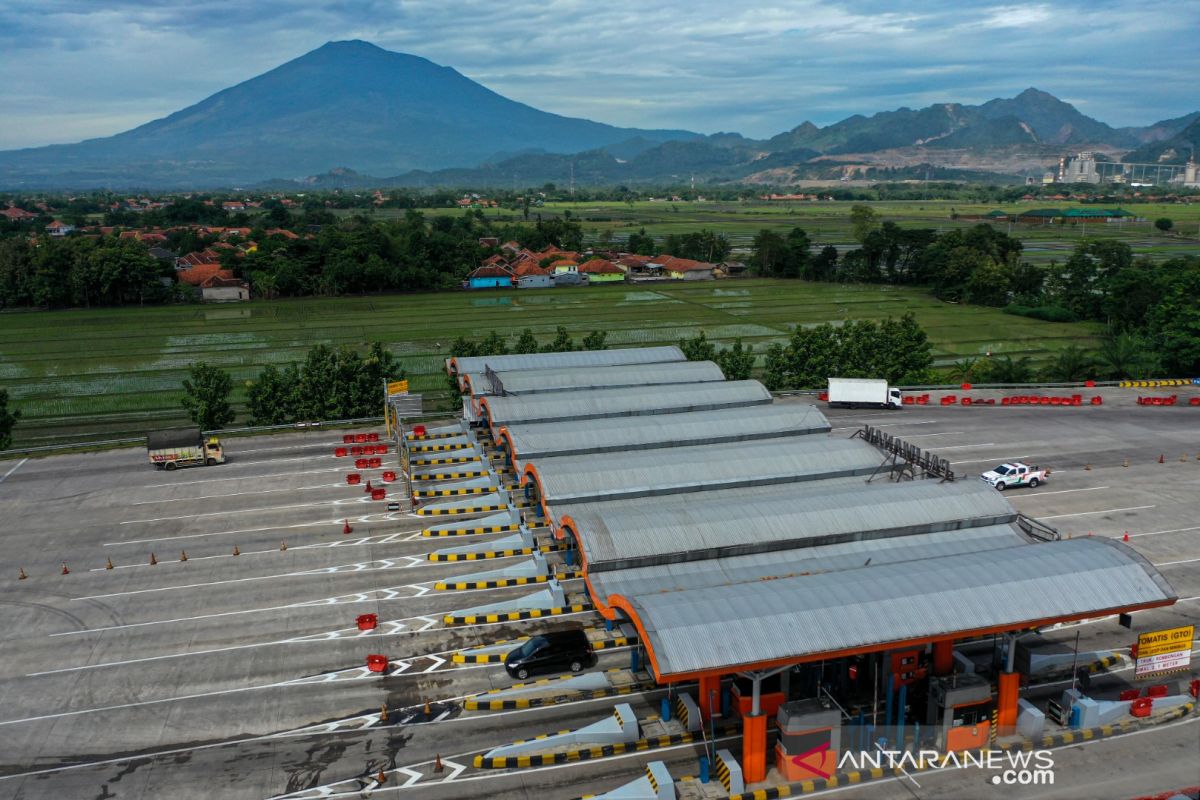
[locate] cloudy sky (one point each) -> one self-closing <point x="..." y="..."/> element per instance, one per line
<point x="75" y="69"/>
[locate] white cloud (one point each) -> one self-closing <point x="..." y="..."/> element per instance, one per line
<point x="94" y="66"/>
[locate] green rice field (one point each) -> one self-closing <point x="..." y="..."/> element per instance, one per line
<point x="94" y="374"/>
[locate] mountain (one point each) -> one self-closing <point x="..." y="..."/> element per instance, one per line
<point x="1175" y="150"/>
<point x="1163" y="129"/>
<point x="344" y="104"/>
<point x="1054" y="121"/>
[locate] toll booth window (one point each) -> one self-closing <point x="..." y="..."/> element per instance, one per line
<point x="971" y="716"/>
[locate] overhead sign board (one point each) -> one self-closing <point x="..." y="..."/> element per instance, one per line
<point x="1171" y="640"/>
<point x="1164" y="651"/>
<point x="397" y="387"/>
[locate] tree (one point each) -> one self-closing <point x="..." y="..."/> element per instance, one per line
<point x="271" y="400"/>
<point x="1005" y="370"/>
<point x="1071" y="364"/>
<point x="736" y="362"/>
<point x="206" y="396"/>
<point x="563" y="343"/>
<point x="1164" y="224"/>
<point x="8" y="420"/>
<point x="863" y="220"/>
<point x="595" y="340"/>
<point x="769" y="254"/>
<point x="698" y="348"/>
<point x="492" y="345"/>
<point x="1125" y="355"/>
<point x="526" y="343"/>
<point x="964" y="369"/>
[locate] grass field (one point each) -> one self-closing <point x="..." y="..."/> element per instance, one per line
<point x="118" y="371"/>
<point x="828" y="223"/>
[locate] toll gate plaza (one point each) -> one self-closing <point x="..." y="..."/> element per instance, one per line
<point x="781" y="599"/>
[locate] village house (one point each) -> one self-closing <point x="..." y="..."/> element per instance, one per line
<point x="224" y="288"/>
<point x="599" y="270"/>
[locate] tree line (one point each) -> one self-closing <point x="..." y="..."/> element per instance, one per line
<point x="331" y="383"/>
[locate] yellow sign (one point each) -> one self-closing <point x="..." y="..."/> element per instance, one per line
<point x="1169" y="641"/>
<point x="397" y="387"/>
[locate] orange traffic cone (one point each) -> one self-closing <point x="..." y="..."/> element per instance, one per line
<point x="1160" y="458"/>
<point x="153" y="560"/>
<point x="65" y="571"/>
<point x="236" y="551"/>
<point x="1087" y="467"/>
<point x="282" y="545"/>
<point x="383" y="717"/>
<point x="346" y="527"/>
<point x="183" y="555"/>
<point x="381" y="777"/>
<point x="437" y="764"/>
<point x="21" y="575"/>
<point x="428" y="710"/>
<point x="109" y="564"/>
<point x="367" y="489"/>
<point x="1125" y="538"/>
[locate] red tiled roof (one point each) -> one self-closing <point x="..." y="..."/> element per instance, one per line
<point x="529" y="267"/>
<point x="196" y="276"/>
<point x="15" y="213"/>
<point x="201" y="257"/>
<point x="600" y="266"/>
<point x="496" y="259"/>
<point x="220" y="279"/>
<point x="564" y="262"/>
<point x="490" y="271"/>
<point x="673" y="264"/>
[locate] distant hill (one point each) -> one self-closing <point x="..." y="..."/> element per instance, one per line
<point x="353" y="114"/>
<point x="1174" y="150"/>
<point x="345" y="103"/>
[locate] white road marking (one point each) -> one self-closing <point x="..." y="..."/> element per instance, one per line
<point x="239" y="494"/>
<point x="1173" y="563"/>
<point x="1101" y="511"/>
<point x="14" y="469"/>
<point x="361" y="566"/>
<point x="945" y="433"/>
<point x="1061" y="491"/>
<point x="344" y="502"/>
<point x="1156" y="533"/>
<point x="176" y="484"/>
<point x="359" y="541"/>
<point x="967" y="446"/>
<point x="990" y="460"/>
<point x="886" y="424"/>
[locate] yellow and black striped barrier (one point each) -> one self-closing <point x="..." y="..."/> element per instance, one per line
<point x="507" y="528"/>
<point x="453" y="492"/>
<point x="450" y="476"/>
<point x="480" y="556"/>
<point x="608" y="644"/>
<point x="681" y="713"/>
<point x="515" y="616"/>
<point x="437" y="462"/>
<point x="437" y="448"/>
<point x="722" y="773"/>
<point x="1154" y="384"/>
<point x="568" y="697"/>
<point x="583" y="753"/>
<point x="653" y="782"/>
<point x="449" y="512"/>
<point x="486" y="658"/>
<point x="499" y="583"/>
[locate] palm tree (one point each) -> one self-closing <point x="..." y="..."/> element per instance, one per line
<point x="1006" y="370"/>
<point x="1124" y="355"/>
<point x="963" y="369"/>
<point x="1071" y="364"/>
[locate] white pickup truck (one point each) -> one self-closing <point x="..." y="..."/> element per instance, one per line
<point x="1014" y="474"/>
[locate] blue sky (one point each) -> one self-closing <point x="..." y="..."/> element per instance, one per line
<point x="75" y="69"/>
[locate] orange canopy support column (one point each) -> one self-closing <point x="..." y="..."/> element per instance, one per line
<point x="943" y="657"/>
<point x="710" y="696"/>
<point x="1009" y="690"/>
<point x="754" y="748"/>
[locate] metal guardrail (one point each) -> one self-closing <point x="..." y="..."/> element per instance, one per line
<point x="247" y="430"/>
<point x="1036" y="529"/>
<point x="1150" y="383"/>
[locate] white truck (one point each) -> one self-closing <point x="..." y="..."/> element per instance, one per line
<point x="1015" y="474"/>
<point x="183" y="447"/>
<point x="863" y="393"/>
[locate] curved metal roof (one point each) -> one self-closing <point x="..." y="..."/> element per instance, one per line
<point x="533" y="381"/>
<point x="575" y="358"/>
<point x="822" y="615"/>
<point x="674" y="470"/>
<point x="624" y="402"/>
<point x="851" y="554"/>
<point x="549" y="439"/>
<point x="617" y="537"/>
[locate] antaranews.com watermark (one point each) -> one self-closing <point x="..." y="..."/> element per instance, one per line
<point x="1010" y="767"/>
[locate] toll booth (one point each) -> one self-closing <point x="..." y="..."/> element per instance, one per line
<point x="809" y="742"/>
<point x="771" y="694"/>
<point x="960" y="711"/>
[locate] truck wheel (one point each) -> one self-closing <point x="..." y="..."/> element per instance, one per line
<point x="210" y="462"/>
<point x="158" y="467"/>
<point x="169" y="466"/>
<point x="1034" y="482"/>
<point x="1000" y="486"/>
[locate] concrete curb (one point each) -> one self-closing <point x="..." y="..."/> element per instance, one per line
<point x="589" y="753"/>
<point x="524" y="551"/>
<point x="514" y="616"/>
